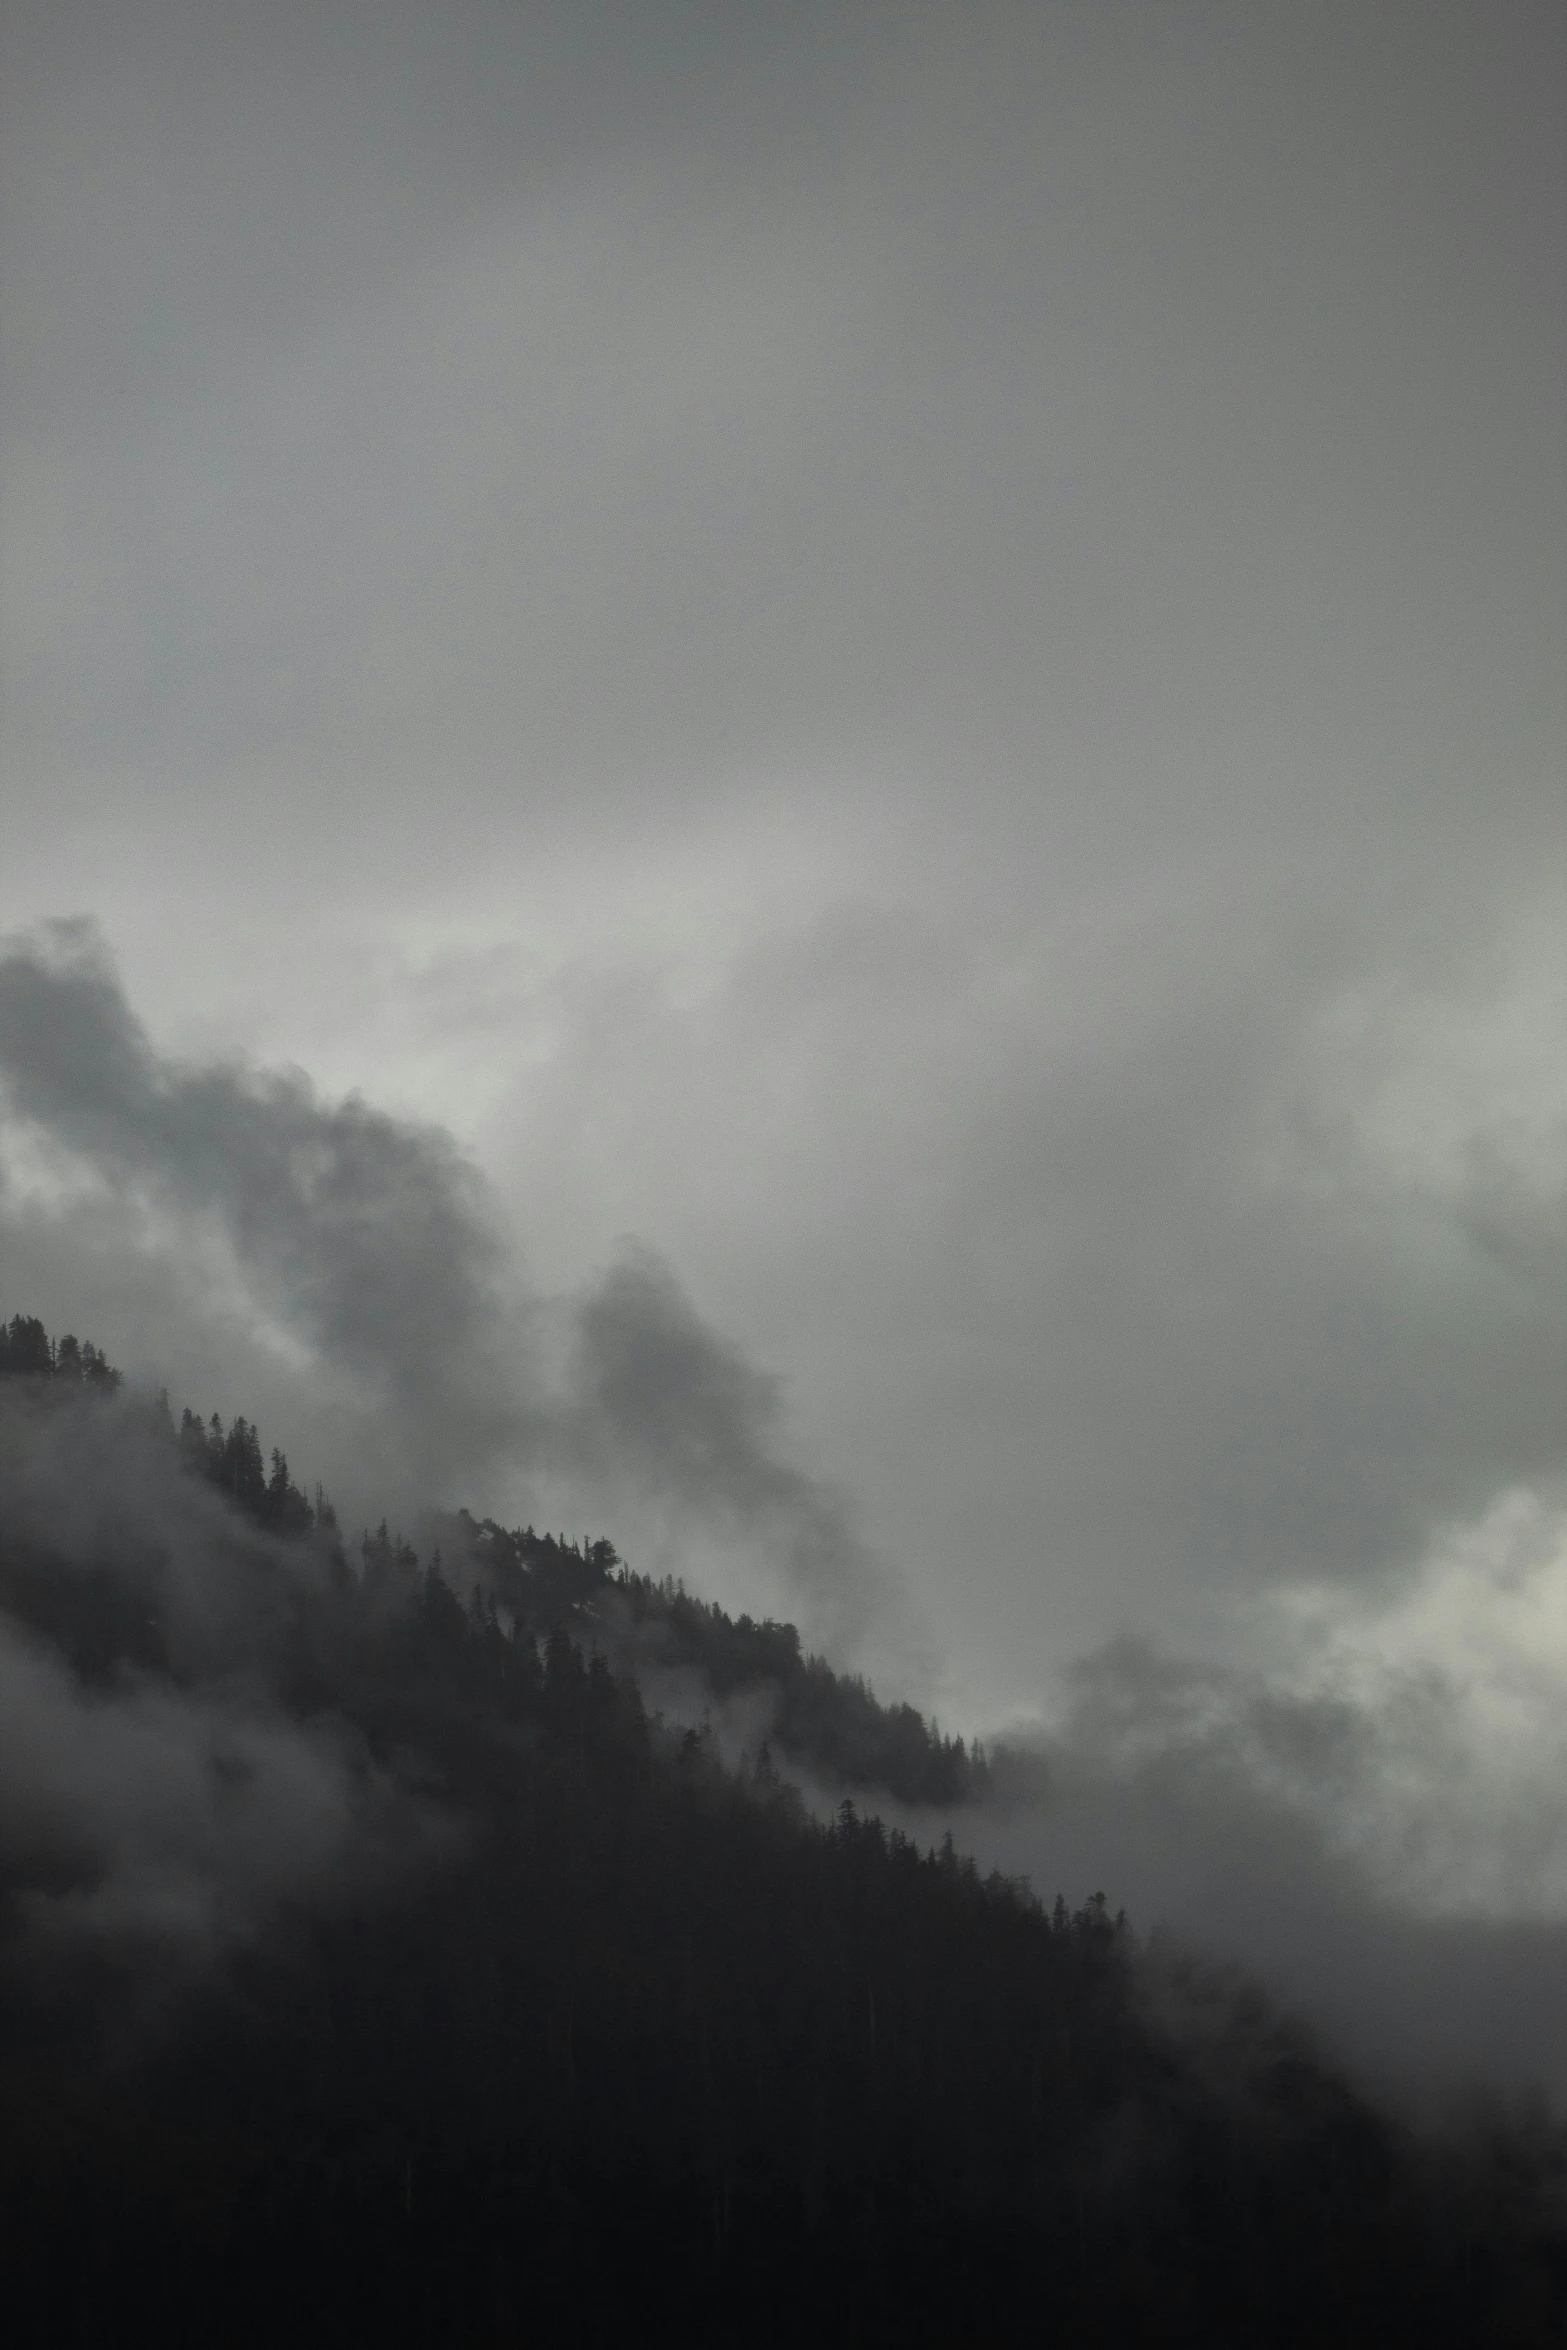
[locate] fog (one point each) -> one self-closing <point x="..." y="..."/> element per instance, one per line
<point x="817" y="756"/>
<point x="167" y="1815"/>
<point x="1372" y="1825"/>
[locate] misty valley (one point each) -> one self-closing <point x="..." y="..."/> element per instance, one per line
<point x="385" y="1958"/>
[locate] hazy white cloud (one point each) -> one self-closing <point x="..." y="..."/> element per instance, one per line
<point x="1458" y="1681"/>
<point x="1366" y="1812"/>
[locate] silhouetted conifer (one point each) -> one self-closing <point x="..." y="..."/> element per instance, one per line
<point x="614" y="2045"/>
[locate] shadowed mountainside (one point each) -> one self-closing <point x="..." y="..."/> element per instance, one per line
<point x="374" y="1965"/>
<point x="826" y="1722"/>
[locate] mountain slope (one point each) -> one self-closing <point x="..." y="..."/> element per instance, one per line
<point x="374" y="1966"/>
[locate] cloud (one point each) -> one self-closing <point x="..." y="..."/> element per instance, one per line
<point x="172" y="1806"/>
<point x="1361" y="1799"/>
<point x="661" y="1402"/>
<point x="567" y="480"/>
<point x="974" y="600"/>
<point x="364" y="1236"/>
<point x="1130" y="1255"/>
<point x="1371" y="1820"/>
<point x="368" y="1254"/>
<point x="156" y="1815"/>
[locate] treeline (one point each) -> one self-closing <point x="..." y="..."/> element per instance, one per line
<point x="613" y="2045"/>
<point x="231" y="1459"/>
<point x="28" y="1352"/>
<point x="826" y="1722"/>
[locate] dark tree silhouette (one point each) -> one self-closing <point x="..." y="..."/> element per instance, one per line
<point x="612" y="2045"/>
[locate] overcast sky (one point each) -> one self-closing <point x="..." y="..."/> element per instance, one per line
<point x="911" y="655"/>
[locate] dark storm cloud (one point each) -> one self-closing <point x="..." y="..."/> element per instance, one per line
<point x="365" y="1236"/>
<point x="660" y="1398"/>
<point x="374" y="1246"/>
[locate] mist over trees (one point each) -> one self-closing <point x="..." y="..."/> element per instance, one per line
<point x="829" y="1723"/>
<point x="377" y="1962"/>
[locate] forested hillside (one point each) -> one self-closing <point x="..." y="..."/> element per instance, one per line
<point x="828" y="1722"/>
<point x="377" y="1967"/>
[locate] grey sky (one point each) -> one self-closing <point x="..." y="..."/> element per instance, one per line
<point x="911" y="654"/>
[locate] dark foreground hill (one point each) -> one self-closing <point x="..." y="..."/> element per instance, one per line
<point x="375" y="1969"/>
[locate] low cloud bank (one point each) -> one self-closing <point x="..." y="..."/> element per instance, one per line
<point x="358" y="1262"/>
<point x="176" y="1818"/>
<point x="1371" y="1819"/>
<point x="158" y="1790"/>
